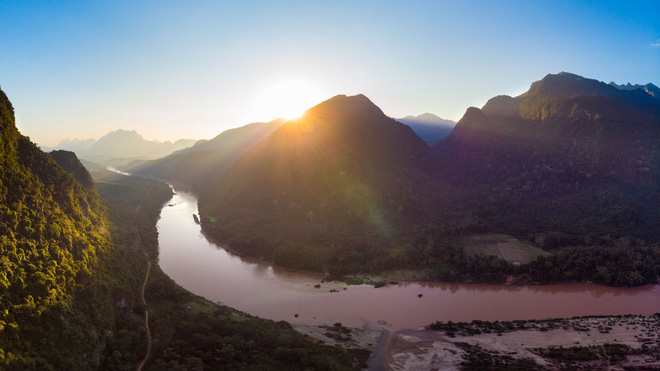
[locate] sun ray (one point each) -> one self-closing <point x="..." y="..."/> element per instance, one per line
<point x="286" y="99"/>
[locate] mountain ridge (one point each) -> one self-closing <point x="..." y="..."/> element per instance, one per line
<point x="118" y="146"/>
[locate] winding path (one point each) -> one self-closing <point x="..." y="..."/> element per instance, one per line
<point x="146" y="319"/>
<point x="144" y="301"/>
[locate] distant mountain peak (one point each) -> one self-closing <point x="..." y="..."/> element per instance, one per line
<point x="347" y="105"/>
<point x="565" y="84"/>
<point x="649" y="88"/>
<point x="429" y="127"/>
<point x="132" y="133"/>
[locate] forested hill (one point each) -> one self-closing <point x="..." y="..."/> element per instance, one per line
<point x="52" y="229"/>
<point x="72" y="165"/>
<point x="341" y="183"/>
<point x="571" y="155"/>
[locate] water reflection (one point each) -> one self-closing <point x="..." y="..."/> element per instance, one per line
<point x="565" y="288"/>
<point x="263" y="290"/>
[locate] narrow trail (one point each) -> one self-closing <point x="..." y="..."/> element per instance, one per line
<point x="144" y="301"/>
<point x="146" y="319"/>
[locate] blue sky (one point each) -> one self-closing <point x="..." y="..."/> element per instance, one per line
<point x="174" y="69"/>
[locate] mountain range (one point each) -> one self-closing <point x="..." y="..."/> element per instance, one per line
<point x="429" y="127"/>
<point x="345" y="188"/>
<point x="120" y="147"/>
<point x="206" y="159"/>
<point x="572" y="166"/>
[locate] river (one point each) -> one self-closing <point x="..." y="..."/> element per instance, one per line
<point x="270" y="292"/>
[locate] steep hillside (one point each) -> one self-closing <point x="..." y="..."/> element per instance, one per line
<point x="72" y="165"/>
<point x="332" y="188"/>
<point x="53" y="231"/>
<point x="207" y="159"/>
<point x="429" y="127"/>
<point x="571" y="155"/>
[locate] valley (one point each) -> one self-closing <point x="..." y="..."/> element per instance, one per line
<point x="329" y="185"/>
<point x="524" y="236"/>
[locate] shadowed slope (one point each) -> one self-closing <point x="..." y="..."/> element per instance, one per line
<point x="341" y="180"/>
<point x="570" y="154"/>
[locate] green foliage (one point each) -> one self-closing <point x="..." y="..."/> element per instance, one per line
<point x="54" y="237"/>
<point x="188" y="330"/>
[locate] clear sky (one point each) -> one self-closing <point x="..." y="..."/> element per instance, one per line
<point x="191" y="69"/>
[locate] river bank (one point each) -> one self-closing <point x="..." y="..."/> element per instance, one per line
<point x="607" y="342"/>
<point x="611" y="342"/>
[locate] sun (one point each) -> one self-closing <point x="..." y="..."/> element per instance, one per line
<point x="286" y="99"/>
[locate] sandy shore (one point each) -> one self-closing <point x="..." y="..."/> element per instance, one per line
<point x="426" y="349"/>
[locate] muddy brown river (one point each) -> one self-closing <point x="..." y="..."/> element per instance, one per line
<point x="270" y="292"/>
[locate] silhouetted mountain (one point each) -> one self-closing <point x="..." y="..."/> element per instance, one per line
<point x="207" y="159"/>
<point x="343" y="180"/>
<point x="570" y="153"/>
<point x="429" y="127"/>
<point x="651" y="89"/>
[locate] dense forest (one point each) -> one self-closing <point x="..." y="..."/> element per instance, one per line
<point x="571" y="166"/>
<point x="55" y="237"/>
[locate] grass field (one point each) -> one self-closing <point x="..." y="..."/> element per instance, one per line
<point x="506" y="247"/>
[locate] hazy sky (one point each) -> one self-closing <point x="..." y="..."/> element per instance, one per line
<point x="173" y="69"/>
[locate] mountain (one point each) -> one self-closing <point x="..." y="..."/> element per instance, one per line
<point x="571" y="155"/>
<point x="429" y="127"/>
<point x="123" y="145"/>
<point x="53" y="234"/>
<point x="120" y="147"/>
<point x="207" y="159"/>
<point x="342" y="181"/>
<point x="651" y="89"/>
<point x="76" y="145"/>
